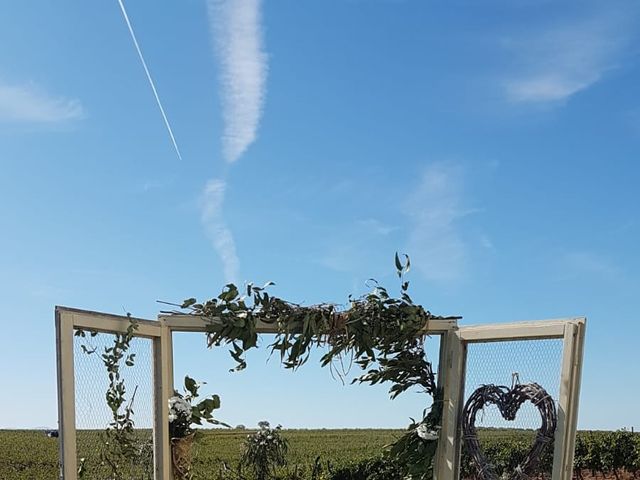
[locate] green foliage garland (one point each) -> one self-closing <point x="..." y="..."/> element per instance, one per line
<point x="381" y="334"/>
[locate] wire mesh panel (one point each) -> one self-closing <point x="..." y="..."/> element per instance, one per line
<point x="506" y="443"/>
<point x="95" y="434"/>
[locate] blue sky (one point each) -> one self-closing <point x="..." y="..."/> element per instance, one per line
<point x="495" y="142"/>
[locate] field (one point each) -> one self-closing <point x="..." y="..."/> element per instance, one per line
<point x="30" y="455"/>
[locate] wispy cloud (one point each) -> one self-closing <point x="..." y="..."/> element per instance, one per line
<point x="376" y="226"/>
<point x="555" y="62"/>
<point x="239" y="47"/>
<point x="435" y="206"/>
<point x="581" y="263"/>
<point x="217" y="230"/>
<point x="29" y="104"/>
<point x="153" y="184"/>
<point x="353" y="247"/>
<point x="237" y="40"/>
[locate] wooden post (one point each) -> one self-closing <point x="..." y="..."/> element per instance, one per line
<point x="66" y="396"/>
<point x="163" y="389"/>
<point x="448" y="454"/>
<point x="565" y="437"/>
<point x="575" y="393"/>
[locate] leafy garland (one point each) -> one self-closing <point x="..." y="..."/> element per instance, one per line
<point x="383" y="335"/>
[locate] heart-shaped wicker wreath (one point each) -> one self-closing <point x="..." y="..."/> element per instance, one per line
<point x="508" y="401"/>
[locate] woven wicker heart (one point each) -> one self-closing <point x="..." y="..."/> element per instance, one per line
<point x="508" y="401"/>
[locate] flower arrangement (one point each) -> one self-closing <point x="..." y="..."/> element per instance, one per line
<point x="184" y="413"/>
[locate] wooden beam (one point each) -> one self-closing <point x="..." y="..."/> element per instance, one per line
<point x="192" y="323"/>
<point x="108" y="323"/>
<point x="500" y="332"/>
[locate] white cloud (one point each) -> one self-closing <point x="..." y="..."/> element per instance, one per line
<point x="28" y="104"/>
<point x="580" y="263"/>
<point x="556" y="62"/>
<point x="486" y="242"/>
<point x="376" y="226"/>
<point x="217" y="230"/>
<point x="344" y="257"/>
<point x="239" y="47"/>
<point x="435" y="243"/>
<point x="153" y="184"/>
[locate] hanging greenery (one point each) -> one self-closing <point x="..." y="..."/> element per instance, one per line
<point x="382" y="334"/>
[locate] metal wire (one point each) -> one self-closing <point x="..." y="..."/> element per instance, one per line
<point x="511" y="362"/>
<point x="92" y="413"/>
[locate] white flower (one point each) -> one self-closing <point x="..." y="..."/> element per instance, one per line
<point x="179" y="407"/>
<point x="424" y="433"/>
<point x="172" y="417"/>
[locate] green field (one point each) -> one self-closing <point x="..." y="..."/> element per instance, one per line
<point x="30" y="455"/>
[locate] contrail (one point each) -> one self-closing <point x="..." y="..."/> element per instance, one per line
<point x="217" y="229"/>
<point x="238" y="44"/>
<point x="153" y="86"/>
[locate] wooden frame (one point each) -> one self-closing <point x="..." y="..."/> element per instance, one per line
<point x="70" y="319"/>
<point x="572" y="332"/>
<point x="451" y="375"/>
<point x="446" y="328"/>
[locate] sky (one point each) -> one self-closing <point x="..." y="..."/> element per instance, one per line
<point x="494" y="142"/>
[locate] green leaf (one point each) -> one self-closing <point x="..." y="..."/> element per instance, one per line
<point x="86" y="350"/>
<point x="229" y="293"/>
<point x="191" y="386"/>
<point x="398" y="263"/>
<point x="188" y="302"/>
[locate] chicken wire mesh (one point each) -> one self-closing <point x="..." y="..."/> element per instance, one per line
<point x="507" y="443"/>
<point x="93" y="415"/>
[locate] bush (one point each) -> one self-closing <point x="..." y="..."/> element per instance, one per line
<point x="380" y="468"/>
<point x="600" y="453"/>
<point x="264" y="451"/>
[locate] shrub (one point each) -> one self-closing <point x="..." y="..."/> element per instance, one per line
<point x="264" y="451"/>
<point x="381" y="468"/>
